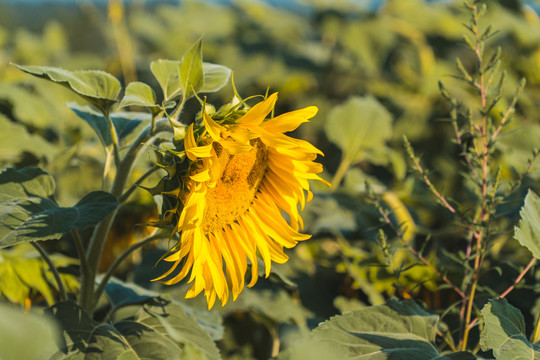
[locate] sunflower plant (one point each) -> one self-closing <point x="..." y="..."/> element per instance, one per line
<point x="231" y="190"/>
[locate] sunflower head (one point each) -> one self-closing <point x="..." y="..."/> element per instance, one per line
<point x="232" y="177"/>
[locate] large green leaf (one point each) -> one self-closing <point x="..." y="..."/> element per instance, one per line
<point x="26" y="336"/>
<point x="124" y="122"/>
<point x="122" y="294"/>
<point x="166" y="317"/>
<point x="16" y="139"/>
<point x="360" y="127"/>
<point x="28" y="211"/>
<point x="160" y="330"/>
<point x="26" y="182"/>
<point x="34" y="219"/>
<point x="191" y="70"/>
<point x="24" y="274"/>
<point x="504" y="332"/>
<point x="528" y="231"/>
<point x="26" y="106"/>
<point x="130" y="340"/>
<point x="99" y="88"/>
<point x="396" y="330"/>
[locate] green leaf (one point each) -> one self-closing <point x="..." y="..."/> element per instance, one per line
<point x="76" y="327"/>
<point x="140" y="94"/>
<point x="360" y="127"/>
<point x="160" y="330"/>
<point x="26" y="336"/>
<point x="215" y="77"/>
<point x="166" y="73"/>
<point x="27" y="107"/>
<point x="396" y="330"/>
<point x="504" y="332"/>
<point x="33" y="220"/>
<point x="93" y="208"/>
<point x="191" y="70"/>
<point x="166" y="317"/>
<point x="26" y="182"/>
<point x="29" y="213"/>
<point x="26" y="207"/>
<point x="124" y="122"/>
<point x="528" y="231"/>
<point x="99" y="88"/>
<point x="16" y="139"/>
<point x="122" y="294"/>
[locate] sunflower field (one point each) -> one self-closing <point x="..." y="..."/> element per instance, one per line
<point x="249" y="179"/>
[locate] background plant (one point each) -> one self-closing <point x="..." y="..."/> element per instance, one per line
<point x="347" y="59"/>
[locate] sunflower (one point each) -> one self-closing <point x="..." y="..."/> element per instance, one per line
<point x="244" y="172"/>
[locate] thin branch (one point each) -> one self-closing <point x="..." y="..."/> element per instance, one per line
<point x="425" y="177"/>
<point x="136" y="184"/>
<point x="61" y="288"/>
<point x="80" y="251"/>
<point x="418" y="255"/>
<point x="153" y="236"/>
<point x="518" y="279"/>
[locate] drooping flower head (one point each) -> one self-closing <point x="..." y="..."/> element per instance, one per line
<point x="243" y="173"/>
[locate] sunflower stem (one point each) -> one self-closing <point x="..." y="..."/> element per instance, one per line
<point x="101" y="232"/>
<point x="61" y="288"/>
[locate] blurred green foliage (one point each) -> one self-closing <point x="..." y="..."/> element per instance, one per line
<point x="373" y="73"/>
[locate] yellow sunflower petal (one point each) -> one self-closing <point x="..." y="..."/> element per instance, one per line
<point x="213" y="128"/>
<point x="234" y="147"/>
<point x="193" y="151"/>
<point x="201" y="176"/>
<point x="290" y="121"/>
<point x="258" y="113"/>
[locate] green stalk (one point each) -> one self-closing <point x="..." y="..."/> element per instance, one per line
<point x="340" y="173"/>
<point x="97" y="242"/>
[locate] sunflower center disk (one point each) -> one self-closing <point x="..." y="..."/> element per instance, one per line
<point x="238" y="182"/>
